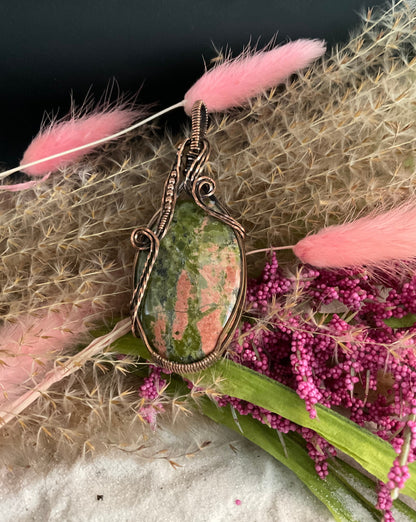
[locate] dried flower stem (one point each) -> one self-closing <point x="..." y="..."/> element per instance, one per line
<point x="7" y="173"/>
<point x="269" y="249"/>
<point x="72" y="365"/>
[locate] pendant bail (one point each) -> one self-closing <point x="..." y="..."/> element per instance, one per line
<point x="197" y="149"/>
<point x="199" y="116"/>
<point x="190" y="268"/>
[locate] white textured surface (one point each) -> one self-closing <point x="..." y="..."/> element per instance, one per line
<point x="204" y="489"/>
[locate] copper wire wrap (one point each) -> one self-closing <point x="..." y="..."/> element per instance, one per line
<point x="199" y="117"/>
<point x="185" y="177"/>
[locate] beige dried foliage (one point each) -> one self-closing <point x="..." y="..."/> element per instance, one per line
<point x="336" y="142"/>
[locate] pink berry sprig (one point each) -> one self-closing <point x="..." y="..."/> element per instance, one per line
<point x="362" y="365"/>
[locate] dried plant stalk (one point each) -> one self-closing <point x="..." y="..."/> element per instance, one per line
<point x="335" y="142"/>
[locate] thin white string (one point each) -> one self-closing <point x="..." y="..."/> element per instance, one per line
<point x="92" y="143"/>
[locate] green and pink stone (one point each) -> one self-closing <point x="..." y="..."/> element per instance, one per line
<point x="194" y="286"/>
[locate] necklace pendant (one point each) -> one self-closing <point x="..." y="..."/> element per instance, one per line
<point x="190" y="270"/>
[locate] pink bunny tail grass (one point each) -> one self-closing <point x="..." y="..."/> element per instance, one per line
<point x="29" y="347"/>
<point x="12" y="408"/>
<point x="371" y="240"/>
<point x="234" y="82"/>
<point x="24" y="186"/>
<point x="71" y="134"/>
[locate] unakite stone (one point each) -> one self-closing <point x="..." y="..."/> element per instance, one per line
<point x="193" y="287"/>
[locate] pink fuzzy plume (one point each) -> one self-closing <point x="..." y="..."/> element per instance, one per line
<point x="26" y="185"/>
<point x="371" y="240"/>
<point x="234" y="82"/>
<point x="28" y="348"/>
<point x="71" y="134"/>
<point x="12" y="408"/>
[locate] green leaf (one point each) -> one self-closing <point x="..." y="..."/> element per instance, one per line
<point x="366" y="487"/>
<point x="401" y="322"/>
<point x="322" y="318"/>
<point x="372" y="453"/>
<point x="340" y="499"/>
<point x="344" y="502"/>
<point x="130" y="345"/>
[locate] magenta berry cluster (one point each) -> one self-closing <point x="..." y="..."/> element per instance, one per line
<point x="150" y="391"/>
<point x="326" y="334"/>
<point x="350" y="359"/>
<point x="153" y="384"/>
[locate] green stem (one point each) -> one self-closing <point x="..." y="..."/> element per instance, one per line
<point x="346" y="492"/>
<point x="343" y="503"/>
<point x="404" y="453"/>
<point x="366" y="487"/>
<point x="372" y="453"/>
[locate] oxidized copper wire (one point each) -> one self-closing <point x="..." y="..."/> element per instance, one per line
<point x="191" y="157"/>
<point x="138" y="240"/>
<point x="199" y="117"/>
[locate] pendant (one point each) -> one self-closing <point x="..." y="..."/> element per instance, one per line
<point x="190" y="268"/>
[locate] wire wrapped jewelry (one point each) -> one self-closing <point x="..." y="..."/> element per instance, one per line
<point x="190" y="269"/>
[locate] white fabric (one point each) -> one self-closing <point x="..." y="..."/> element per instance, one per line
<point x="134" y="489"/>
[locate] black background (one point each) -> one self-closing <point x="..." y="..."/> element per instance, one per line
<point x="52" y="49"/>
